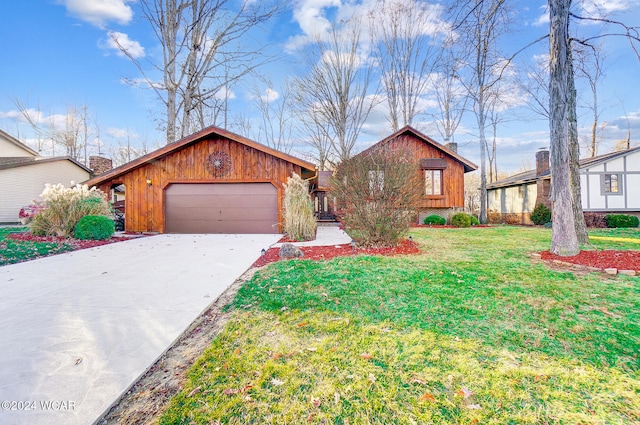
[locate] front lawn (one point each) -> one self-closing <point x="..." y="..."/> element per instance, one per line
<point x="469" y="332"/>
<point x="16" y="251"/>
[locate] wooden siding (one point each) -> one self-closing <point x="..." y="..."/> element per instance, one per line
<point x="145" y="204"/>
<point x="452" y="176"/>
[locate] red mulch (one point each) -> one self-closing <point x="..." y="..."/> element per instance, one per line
<point x="328" y="252"/>
<point x="448" y="226"/>
<point x="75" y="243"/>
<point x="621" y="260"/>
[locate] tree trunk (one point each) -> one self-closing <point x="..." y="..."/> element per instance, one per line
<point x="574" y="155"/>
<point x="564" y="240"/>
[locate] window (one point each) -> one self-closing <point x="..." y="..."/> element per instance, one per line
<point x="611" y="184"/>
<point x="376" y="181"/>
<point x="433" y="182"/>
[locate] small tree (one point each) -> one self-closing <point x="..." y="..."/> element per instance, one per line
<point x="299" y="222"/>
<point x="377" y="193"/>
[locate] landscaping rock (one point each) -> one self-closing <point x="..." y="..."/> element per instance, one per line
<point x="611" y="271"/>
<point x="535" y="256"/>
<point x="627" y="272"/>
<point x="288" y="250"/>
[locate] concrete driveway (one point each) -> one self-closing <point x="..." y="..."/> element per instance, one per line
<point x="77" y="329"/>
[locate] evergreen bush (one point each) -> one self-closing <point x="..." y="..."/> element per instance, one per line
<point x="474" y="220"/>
<point x="461" y="220"/>
<point x="541" y="215"/>
<point x="435" y="219"/>
<point x="622" y="220"/>
<point x="94" y="227"/>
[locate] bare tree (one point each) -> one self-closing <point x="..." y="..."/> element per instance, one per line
<point x="202" y="53"/>
<point x="589" y="65"/>
<point x="449" y="92"/>
<point x="276" y="116"/>
<point x="405" y="38"/>
<point x="71" y="132"/>
<point x="481" y="24"/>
<point x="334" y="94"/>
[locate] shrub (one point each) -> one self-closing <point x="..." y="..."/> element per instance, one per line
<point x="299" y="222"/>
<point x="435" y="219"/>
<point x="95" y="227"/>
<point x="622" y="220"/>
<point x="461" y="220"/>
<point x="474" y="220"/>
<point x="64" y="207"/>
<point x="593" y="219"/>
<point x="377" y="193"/>
<point x="541" y="214"/>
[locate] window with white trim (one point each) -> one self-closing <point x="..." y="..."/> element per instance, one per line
<point x="611" y="184"/>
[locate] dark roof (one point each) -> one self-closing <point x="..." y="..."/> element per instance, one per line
<point x="7" y="163"/>
<point x="190" y="140"/>
<point x="468" y="165"/>
<point x="530" y="176"/>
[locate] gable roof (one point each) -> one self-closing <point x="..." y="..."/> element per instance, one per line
<point x="530" y="176"/>
<point x="468" y="165"/>
<point x="191" y="140"/>
<point x="9" y="138"/>
<point x="7" y="163"/>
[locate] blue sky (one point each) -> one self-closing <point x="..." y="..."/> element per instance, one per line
<point x="56" y="54"/>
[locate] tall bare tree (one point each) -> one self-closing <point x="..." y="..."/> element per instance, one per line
<point x="202" y="53"/>
<point x="449" y="92"/>
<point x="481" y="24"/>
<point x="275" y="126"/>
<point x="590" y="66"/>
<point x="334" y="94"/>
<point x="405" y="38"/>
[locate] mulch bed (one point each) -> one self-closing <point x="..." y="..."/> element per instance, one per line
<point x="405" y="247"/>
<point x="604" y="259"/>
<point x="75" y="243"/>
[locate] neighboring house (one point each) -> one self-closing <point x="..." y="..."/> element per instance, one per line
<point x="610" y="183"/>
<point x="213" y="181"/>
<point x="441" y="169"/>
<point x="24" y="173"/>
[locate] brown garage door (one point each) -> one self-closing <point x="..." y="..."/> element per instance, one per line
<point x="221" y="208"/>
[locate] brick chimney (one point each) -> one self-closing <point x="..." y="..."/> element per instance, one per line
<point x="99" y="164"/>
<point x="453" y="146"/>
<point x="543" y="185"/>
<point x="542" y="161"/>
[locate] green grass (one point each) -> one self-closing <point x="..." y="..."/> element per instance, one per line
<point x="14" y="251"/>
<point x="471" y="331"/>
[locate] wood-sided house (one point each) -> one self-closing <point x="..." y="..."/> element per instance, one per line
<point x="24" y="173"/>
<point x="441" y="170"/>
<point x="213" y="181"/>
<point x="609" y="183"/>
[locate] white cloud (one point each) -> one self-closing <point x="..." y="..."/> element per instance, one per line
<point x="120" y="133"/>
<point x="118" y="41"/>
<point x="99" y="12"/>
<point x="543" y="19"/>
<point x="601" y="8"/>
<point x="270" y="95"/>
<point x="225" y="93"/>
<point x="53" y="121"/>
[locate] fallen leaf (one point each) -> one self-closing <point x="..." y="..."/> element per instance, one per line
<point x="276" y="382"/>
<point x="312" y="349"/>
<point x="372" y="378"/>
<point x="194" y="391"/>
<point x="301" y="324"/>
<point x="277" y="356"/>
<point x="427" y="397"/>
<point x="474" y="407"/>
<point x="465" y="392"/>
<point x="366" y="356"/>
<point x="417" y="381"/>
<point x="336" y="397"/>
<point x="230" y="391"/>
<point x="316" y="402"/>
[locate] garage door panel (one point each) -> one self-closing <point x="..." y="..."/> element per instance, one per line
<point x="221" y="208"/>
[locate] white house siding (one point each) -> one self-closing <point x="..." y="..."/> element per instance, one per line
<point x="516" y="199"/>
<point x="591" y="179"/>
<point x="10" y="149"/>
<point x="20" y="186"/>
